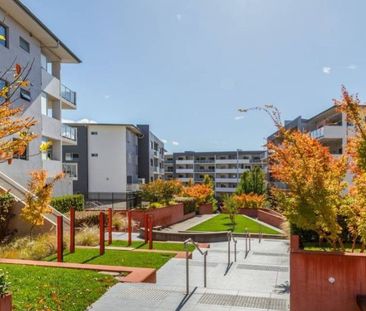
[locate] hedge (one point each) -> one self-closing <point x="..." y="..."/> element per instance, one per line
<point x="189" y="204"/>
<point x="64" y="203"/>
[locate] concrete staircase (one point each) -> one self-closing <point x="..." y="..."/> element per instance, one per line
<point x="19" y="192"/>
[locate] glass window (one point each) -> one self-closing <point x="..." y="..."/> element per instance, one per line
<point x="46" y="65"/>
<point x="94" y="133"/>
<point x="44" y="105"/>
<point x="94" y="155"/>
<point x="3" y="35"/>
<point x="25" y="94"/>
<point x="24" y="44"/>
<point x="71" y="169"/>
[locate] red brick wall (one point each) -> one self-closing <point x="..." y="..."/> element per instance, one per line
<point x="270" y="217"/>
<point x="309" y="279"/>
<point x="250" y="212"/>
<point x="205" y="209"/>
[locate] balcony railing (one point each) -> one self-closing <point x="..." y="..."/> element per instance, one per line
<point x="68" y="94"/>
<point x="69" y="132"/>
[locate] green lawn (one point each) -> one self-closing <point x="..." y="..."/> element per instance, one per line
<point x="156" y="245"/>
<point x="116" y="258"/>
<point x="41" y="289"/>
<point x="222" y="222"/>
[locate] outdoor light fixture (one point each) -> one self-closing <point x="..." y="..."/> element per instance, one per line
<point x="331" y="280"/>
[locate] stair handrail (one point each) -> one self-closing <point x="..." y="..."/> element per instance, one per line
<point x="24" y="191"/>
<point x="230" y="237"/>
<point x="204" y="254"/>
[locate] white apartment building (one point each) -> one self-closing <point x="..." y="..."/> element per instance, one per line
<point x="225" y="167"/>
<point x="25" y="40"/>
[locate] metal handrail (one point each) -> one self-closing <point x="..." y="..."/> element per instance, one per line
<point x="230" y="238"/>
<point x="247" y="243"/>
<point x="204" y="254"/>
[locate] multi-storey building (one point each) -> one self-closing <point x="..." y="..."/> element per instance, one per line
<point x="25" y="40"/>
<point x="151" y="155"/>
<point x="224" y="167"/>
<point x="104" y="162"/>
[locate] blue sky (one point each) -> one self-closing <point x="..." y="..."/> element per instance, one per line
<point x="185" y="67"/>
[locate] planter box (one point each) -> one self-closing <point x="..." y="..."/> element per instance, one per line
<point x="6" y="303"/>
<point x="326" y="280"/>
<point x="205" y="209"/>
<point x="250" y="212"/>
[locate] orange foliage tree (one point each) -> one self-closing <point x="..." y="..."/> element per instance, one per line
<point x="38" y="199"/>
<point x="314" y="179"/>
<point x="15" y="130"/>
<point x="202" y="193"/>
<point x="355" y="207"/>
<point x="160" y="191"/>
<point x="250" y="200"/>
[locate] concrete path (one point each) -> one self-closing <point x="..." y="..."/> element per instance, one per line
<point x="256" y="283"/>
<point x="189" y="223"/>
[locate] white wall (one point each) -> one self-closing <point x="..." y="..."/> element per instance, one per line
<point x="107" y="172"/>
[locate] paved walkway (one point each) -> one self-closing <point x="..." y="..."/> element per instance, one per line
<point x="256" y="283"/>
<point x="189" y="223"/>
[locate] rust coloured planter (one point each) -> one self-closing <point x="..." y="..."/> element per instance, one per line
<point x="6" y="303"/>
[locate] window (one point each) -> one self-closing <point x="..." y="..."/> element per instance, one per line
<point x="71" y="169"/>
<point x="25" y="94"/>
<point x="129" y="180"/>
<point x="48" y="154"/>
<point x="71" y="156"/>
<point x="3" y="84"/>
<point x="94" y="155"/>
<point x="45" y="109"/>
<point x="46" y="65"/>
<point x="151" y="162"/>
<point x="94" y="133"/>
<point x="24" y="44"/>
<point x="4" y="40"/>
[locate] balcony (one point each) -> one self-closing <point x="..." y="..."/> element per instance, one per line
<point x="328" y="132"/>
<point x="69" y="135"/>
<point x="226" y="180"/>
<point x="225" y="189"/>
<point x="132" y="187"/>
<point x="50" y="84"/>
<point x="230" y="170"/>
<point x="184" y="161"/>
<point x="232" y="161"/>
<point x="68" y="98"/>
<point x="185" y="179"/>
<point x="184" y="170"/>
<point x="209" y="161"/>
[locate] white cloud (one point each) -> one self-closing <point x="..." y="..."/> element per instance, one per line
<point x="178" y="17"/>
<point x="164" y="141"/>
<point x="239" y="118"/>
<point x="175" y="143"/>
<point x="352" y="67"/>
<point x="68" y="121"/>
<point x="86" y="121"/>
<point x="327" y="70"/>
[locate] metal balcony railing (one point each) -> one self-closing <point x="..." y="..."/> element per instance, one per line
<point x="69" y="132"/>
<point x="68" y="94"/>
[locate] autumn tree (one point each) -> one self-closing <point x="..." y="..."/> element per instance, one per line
<point x="355" y="207"/>
<point x="252" y="181"/>
<point x="314" y="179"/>
<point x="160" y="191"/>
<point x="38" y="197"/>
<point x="15" y="132"/>
<point x="231" y="208"/>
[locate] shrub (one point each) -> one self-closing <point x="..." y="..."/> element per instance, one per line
<point x="64" y="203"/>
<point x="189" y="204"/>
<point x="88" y="236"/>
<point x="202" y="193"/>
<point x="119" y="222"/>
<point x="231" y="207"/>
<point x="250" y="200"/>
<point x="160" y="191"/>
<point x="87" y="218"/>
<point x="4" y="283"/>
<point x="6" y="203"/>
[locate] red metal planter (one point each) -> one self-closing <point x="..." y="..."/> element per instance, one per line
<point x="6" y="303"/>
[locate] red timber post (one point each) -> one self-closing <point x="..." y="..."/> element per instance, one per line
<point x="60" y="239"/>
<point x="101" y="233"/>
<point x="129" y="218"/>
<point x="72" y="230"/>
<point x="150" y="232"/>
<point x="110" y="215"/>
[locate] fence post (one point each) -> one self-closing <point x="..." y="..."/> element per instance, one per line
<point x="146" y="223"/>
<point x="101" y="234"/>
<point x="110" y="221"/>
<point x="129" y="219"/>
<point x="150" y="232"/>
<point x="60" y="239"/>
<point x="72" y="230"/>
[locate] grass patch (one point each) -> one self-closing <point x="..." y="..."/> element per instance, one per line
<point x="325" y="247"/>
<point x="222" y="222"/>
<point x="168" y="246"/>
<point x="116" y="258"/>
<point x="41" y="288"/>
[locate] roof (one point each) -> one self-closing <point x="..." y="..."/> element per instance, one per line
<point x="24" y="16"/>
<point x="133" y="128"/>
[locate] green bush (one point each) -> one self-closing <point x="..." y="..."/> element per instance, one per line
<point x="189" y="204"/>
<point x="87" y="218"/>
<point x="64" y="203"/>
<point x="6" y="203"/>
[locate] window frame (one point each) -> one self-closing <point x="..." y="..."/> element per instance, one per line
<point x="24" y="93"/>
<point x="22" y="40"/>
<point x="76" y="170"/>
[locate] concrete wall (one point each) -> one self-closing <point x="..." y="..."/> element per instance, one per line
<point x="311" y="276"/>
<point x="107" y="171"/>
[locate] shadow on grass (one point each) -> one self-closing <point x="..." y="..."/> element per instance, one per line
<point x="92" y="258"/>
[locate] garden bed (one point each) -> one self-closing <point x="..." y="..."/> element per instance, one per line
<point x="41" y="288"/>
<point x="222" y="223"/>
<point x="166" y="246"/>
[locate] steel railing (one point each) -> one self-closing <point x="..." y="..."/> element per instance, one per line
<point x="248" y="243"/>
<point x="204" y="254"/>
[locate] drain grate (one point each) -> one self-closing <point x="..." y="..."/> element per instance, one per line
<point x="198" y="264"/>
<point x="244" y="301"/>
<point x="262" y="268"/>
<point x="144" y="294"/>
<point x="270" y="254"/>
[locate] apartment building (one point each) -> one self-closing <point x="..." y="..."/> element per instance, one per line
<point x="151" y="155"/>
<point x="104" y="162"/>
<point x="25" y="40"/>
<point x="224" y="167"/>
<point x="330" y="127"/>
